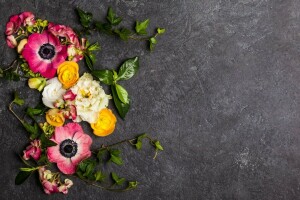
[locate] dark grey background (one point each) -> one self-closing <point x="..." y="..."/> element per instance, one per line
<point x="221" y="93"/>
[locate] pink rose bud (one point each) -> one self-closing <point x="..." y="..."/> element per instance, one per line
<point x="27" y="18"/>
<point x="13" y="25"/>
<point x="69" y="96"/>
<point x="33" y="150"/>
<point x="11" y="41"/>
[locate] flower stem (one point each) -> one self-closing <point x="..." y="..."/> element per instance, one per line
<point x="11" y="110"/>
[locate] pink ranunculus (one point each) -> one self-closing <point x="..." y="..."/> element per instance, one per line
<point x="63" y="32"/>
<point x="69" y="96"/>
<point x="27" y="18"/>
<point x="75" y="49"/>
<point x="44" y="53"/>
<point x="33" y="150"/>
<point x="13" y="25"/>
<point x="73" y="146"/>
<point x="52" y="184"/>
<point x="11" y="41"/>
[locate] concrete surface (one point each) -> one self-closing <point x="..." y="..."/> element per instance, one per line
<point x="221" y="93"/>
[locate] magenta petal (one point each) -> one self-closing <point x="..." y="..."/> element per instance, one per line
<point x="61" y="133"/>
<point x="54" y="155"/>
<point x="67" y="167"/>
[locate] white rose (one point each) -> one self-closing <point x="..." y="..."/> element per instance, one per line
<point x="90" y="98"/>
<point x="53" y="92"/>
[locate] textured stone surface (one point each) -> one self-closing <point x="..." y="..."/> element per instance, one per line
<point x="221" y="92"/>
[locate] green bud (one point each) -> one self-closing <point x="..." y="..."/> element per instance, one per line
<point x="37" y="83"/>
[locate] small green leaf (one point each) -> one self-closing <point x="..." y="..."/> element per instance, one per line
<point x="94" y="47"/>
<point x="22" y="176"/>
<point x="139" y="142"/>
<point x="105" y="76"/>
<point x="89" y="169"/>
<point x="89" y="61"/>
<point x="161" y="30"/>
<point x="34" y="111"/>
<point x="101" y="154"/>
<point x="141" y="27"/>
<point x="46" y="142"/>
<point x="115" y="76"/>
<point x="117" y="180"/>
<point x="132" y="184"/>
<point x="121" y="107"/>
<point x="158" y="146"/>
<point x="128" y="69"/>
<point x="33" y="130"/>
<point x="123" y="33"/>
<point x="26" y="169"/>
<point x="115" y="156"/>
<point x="122" y="94"/>
<point x="153" y="42"/>
<point x="104" y="27"/>
<point x="85" y="18"/>
<point x="112" y="17"/>
<point x="99" y="176"/>
<point x="17" y="99"/>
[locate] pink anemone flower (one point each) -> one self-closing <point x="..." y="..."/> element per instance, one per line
<point x="44" y="53"/>
<point x="73" y="146"/>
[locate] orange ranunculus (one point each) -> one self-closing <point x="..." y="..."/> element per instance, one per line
<point x="105" y="123"/>
<point x="68" y="73"/>
<point x="55" y="117"/>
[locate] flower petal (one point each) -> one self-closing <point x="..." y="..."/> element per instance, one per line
<point x="67" y="166"/>
<point x="54" y="155"/>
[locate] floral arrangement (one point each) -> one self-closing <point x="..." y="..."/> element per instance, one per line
<point x="48" y="57"/>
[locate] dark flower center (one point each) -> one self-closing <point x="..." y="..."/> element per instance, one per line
<point x="68" y="148"/>
<point x="47" y="51"/>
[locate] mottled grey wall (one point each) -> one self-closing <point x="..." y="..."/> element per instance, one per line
<point x="221" y="92"/>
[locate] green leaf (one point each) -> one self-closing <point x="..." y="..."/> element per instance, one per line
<point x="22" y="176"/>
<point x="99" y="176"/>
<point x="94" y="47"/>
<point x="34" y="111"/>
<point x="123" y="33"/>
<point x="122" y="94"/>
<point x="105" y="76"/>
<point x="26" y="169"/>
<point x="101" y="154"/>
<point x="17" y="99"/>
<point x="46" y="142"/>
<point x="117" y="180"/>
<point x="141" y="27"/>
<point x="139" y="142"/>
<point x="132" y="184"/>
<point x="89" y="169"/>
<point x="43" y="160"/>
<point x="33" y="130"/>
<point x="115" y="76"/>
<point x="153" y="42"/>
<point x="104" y="27"/>
<point x="115" y="156"/>
<point x="128" y="69"/>
<point x="158" y="146"/>
<point x="85" y="18"/>
<point x="121" y="107"/>
<point x="89" y="62"/>
<point x="161" y="30"/>
<point x="112" y="17"/>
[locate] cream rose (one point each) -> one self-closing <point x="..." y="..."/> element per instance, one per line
<point x="53" y="92"/>
<point x="90" y="98"/>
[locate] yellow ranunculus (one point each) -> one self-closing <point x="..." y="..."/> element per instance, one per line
<point x="55" y="117"/>
<point x="68" y="73"/>
<point x="105" y="124"/>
